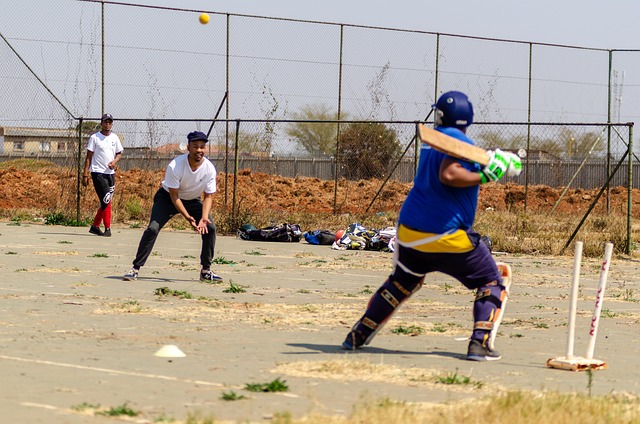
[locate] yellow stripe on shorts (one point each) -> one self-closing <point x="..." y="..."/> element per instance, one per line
<point x="453" y="242"/>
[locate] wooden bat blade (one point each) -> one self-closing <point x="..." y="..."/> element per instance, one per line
<point x="452" y="146"/>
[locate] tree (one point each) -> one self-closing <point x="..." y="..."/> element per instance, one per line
<point x="251" y="143"/>
<point x="368" y="150"/>
<point x="565" y="143"/>
<point x="317" y="138"/>
<point x="581" y="145"/>
<point x="496" y="140"/>
<point x="88" y="127"/>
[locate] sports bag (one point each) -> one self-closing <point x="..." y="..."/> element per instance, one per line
<point x="280" y="232"/>
<point x="323" y="237"/>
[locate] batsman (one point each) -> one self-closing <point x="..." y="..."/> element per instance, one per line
<point x="435" y="233"/>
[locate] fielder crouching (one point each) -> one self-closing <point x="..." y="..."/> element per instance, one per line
<point x="435" y="234"/>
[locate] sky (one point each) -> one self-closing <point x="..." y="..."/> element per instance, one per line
<point x="587" y="23"/>
<point x="164" y="64"/>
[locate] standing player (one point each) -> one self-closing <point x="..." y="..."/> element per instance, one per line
<point x="104" y="150"/>
<point x="435" y="234"/>
<point x="187" y="177"/>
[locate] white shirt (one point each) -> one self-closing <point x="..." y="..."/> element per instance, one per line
<point x="190" y="184"/>
<point x="104" y="148"/>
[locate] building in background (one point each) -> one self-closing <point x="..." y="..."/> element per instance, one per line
<point x="21" y="141"/>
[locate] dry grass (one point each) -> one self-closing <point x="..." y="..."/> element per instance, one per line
<point x="69" y="253"/>
<point x="512" y="232"/>
<point x="355" y="369"/>
<point x="510" y="407"/>
<point x="514" y="407"/>
<point x="500" y="213"/>
<point x="547" y="235"/>
<point x="28" y="164"/>
<point x="517" y="407"/>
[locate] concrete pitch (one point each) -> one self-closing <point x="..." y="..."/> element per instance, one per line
<point x="73" y="333"/>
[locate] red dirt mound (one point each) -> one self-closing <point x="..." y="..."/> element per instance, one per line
<point x="53" y="188"/>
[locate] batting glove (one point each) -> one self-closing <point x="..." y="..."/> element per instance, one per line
<point x="498" y="163"/>
<point x="515" y="165"/>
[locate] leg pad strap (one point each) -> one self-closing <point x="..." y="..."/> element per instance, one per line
<point x="483" y="325"/>
<point x="382" y="305"/>
<point x="486" y="309"/>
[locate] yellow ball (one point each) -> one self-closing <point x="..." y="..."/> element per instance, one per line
<point x="204" y="18"/>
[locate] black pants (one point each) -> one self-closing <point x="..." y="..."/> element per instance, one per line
<point x="104" y="184"/>
<point x="162" y="211"/>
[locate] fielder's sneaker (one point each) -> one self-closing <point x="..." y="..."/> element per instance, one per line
<point x="95" y="230"/>
<point x="355" y="340"/>
<point x="107" y="232"/>
<point x="132" y="275"/>
<point x="478" y="352"/>
<point x="208" y="276"/>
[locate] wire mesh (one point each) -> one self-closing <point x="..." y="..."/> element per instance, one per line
<point x="282" y="82"/>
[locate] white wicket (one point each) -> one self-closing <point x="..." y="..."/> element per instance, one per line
<point x="571" y="362"/>
<point x="577" y="261"/>
<point x="604" y="272"/>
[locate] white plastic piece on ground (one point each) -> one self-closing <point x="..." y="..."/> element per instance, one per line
<point x="170" y="351"/>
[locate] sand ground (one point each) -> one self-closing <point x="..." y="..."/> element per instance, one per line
<point x="73" y="333"/>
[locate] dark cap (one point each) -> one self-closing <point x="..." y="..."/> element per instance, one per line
<point x="106" y="117"/>
<point x="197" y="135"/>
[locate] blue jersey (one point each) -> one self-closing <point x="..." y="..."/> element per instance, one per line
<point x="433" y="207"/>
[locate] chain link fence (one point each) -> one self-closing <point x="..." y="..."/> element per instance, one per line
<point x="149" y="62"/>
<point x="300" y="98"/>
<point x="555" y="155"/>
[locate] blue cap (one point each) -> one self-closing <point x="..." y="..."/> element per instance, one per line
<point x="197" y="135"/>
<point x="107" y="117"/>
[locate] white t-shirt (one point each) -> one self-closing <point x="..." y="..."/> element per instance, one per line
<point x="190" y="184"/>
<point x="104" y="148"/>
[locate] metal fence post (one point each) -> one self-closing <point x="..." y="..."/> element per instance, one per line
<point x="527" y="161"/>
<point x="629" y="189"/>
<point x="337" y="155"/>
<point x="79" y="169"/>
<point x="235" y="174"/>
<point x="226" y="136"/>
<point x="435" y="83"/>
<point x="102" y="31"/>
<point x="609" y="128"/>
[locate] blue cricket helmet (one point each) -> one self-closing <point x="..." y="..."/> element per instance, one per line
<point x="453" y="109"/>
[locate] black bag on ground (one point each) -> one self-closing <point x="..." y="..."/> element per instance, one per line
<point x="281" y="233"/>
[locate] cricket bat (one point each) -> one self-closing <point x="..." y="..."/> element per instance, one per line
<point x="451" y="146"/>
